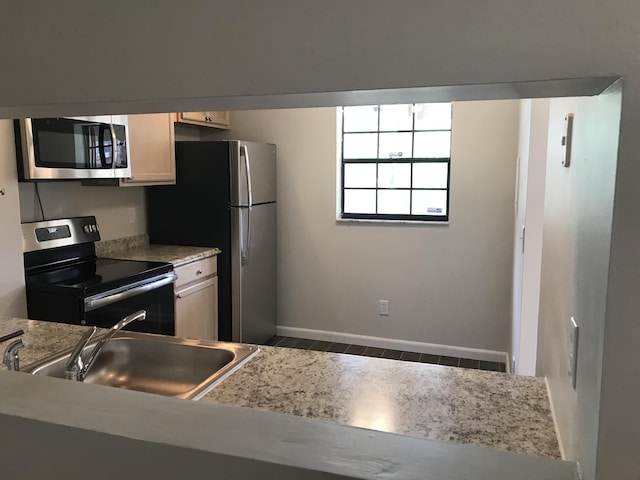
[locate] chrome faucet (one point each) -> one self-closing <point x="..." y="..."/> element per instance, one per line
<point x="76" y="368"/>
<point x="11" y="358"/>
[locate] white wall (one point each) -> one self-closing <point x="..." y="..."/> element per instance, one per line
<point x="575" y="256"/>
<point x="335" y="51"/>
<point x="12" y="294"/>
<point x="446" y="284"/>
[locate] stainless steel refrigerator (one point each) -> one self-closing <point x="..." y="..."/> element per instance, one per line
<point x="225" y="196"/>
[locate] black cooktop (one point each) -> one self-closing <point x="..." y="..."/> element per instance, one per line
<point x="99" y="275"/>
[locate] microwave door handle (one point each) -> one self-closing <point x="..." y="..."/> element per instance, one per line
<point x="114" y="141"/>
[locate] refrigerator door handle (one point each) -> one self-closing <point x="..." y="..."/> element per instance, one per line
<point x="244" y="150"/>
<point x="245" y="235"/>
<point x="246" y="232"/>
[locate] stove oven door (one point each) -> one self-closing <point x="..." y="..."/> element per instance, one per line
<point x="154" y="296"/>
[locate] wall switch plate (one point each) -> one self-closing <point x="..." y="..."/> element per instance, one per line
<point x="383" y="307"/>
<point x="567" y="139"/>
<point x="132" y="214"/>
<point x="573" y="351"/>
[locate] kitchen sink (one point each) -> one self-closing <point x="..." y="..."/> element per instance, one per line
<point x="163" y="365"/>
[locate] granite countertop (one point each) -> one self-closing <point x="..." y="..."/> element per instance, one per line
<point x="42" y="339"/>
<point x="138" y="248"/>
<point x="490" y="409"/>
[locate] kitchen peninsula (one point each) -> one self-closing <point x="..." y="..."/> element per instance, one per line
<point x="490" y="409"/>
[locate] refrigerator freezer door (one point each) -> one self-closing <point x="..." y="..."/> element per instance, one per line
<point x="254" y="279"/>
<point x="253" y="173"/>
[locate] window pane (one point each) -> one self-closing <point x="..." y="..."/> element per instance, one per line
<point x="358" y="175"/>
<point x="430" y="175"/>
<point x="395" y="145"/>
<point x="361" y="119"/>
<point x="433" y="116"/>
<point x="393" y="202"/>
<point x="360" y="145"/>
<point x="432" y="145"/>
<point x="359" y="201"/>
<point x="396" y="117"/>
<point x="394" y="175"/>
<point x="429" y="202"/>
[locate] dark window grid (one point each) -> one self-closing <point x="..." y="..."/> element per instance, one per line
<point x="398" y="160"/>
<point x="398" y="131"/>
<point x="413" y="137"/>
<point x="377" y="161"/>
<point x="410" y="189"/>
<point x="378" y="151"/>
<point x="385" y="216"/>
<point x="396" y="188"/>
<point x="404" y="189"/>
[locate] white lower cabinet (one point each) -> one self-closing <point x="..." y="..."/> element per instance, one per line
<point x="196" y="300"/>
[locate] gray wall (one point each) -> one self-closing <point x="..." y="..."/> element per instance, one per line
<point x="446" y="284"/>
<point x="575" y="256"/>
<point x="110" y="205"/>
<point x="12" y="293"/>
<point x="336" y="46"/>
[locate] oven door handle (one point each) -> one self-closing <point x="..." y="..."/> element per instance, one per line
<point x="107" y="298"/>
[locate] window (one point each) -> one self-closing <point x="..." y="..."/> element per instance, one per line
<point x="395" y="162"/>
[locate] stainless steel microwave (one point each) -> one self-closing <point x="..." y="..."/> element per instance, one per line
<point x="72" y="148"/>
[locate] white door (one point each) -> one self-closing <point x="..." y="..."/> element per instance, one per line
<point x="534" y="132"/>
<point x="522" y="171"/>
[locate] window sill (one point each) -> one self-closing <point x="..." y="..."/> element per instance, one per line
<point x="390" y="222"/>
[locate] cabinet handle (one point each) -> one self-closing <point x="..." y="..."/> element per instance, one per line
<point x="198" y="272"/>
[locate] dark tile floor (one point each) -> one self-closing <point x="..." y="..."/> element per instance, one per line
<point x="305" y="344"/>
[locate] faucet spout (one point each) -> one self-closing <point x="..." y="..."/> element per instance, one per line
<point x="10" y="357"/>
<point x="76" y="368"/>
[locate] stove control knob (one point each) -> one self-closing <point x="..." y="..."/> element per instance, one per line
<point x="86" y="228"/>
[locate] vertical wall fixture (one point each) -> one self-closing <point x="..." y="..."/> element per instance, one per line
<point x="566" y="139"/>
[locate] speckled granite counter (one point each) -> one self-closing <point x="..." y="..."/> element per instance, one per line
<point x="489" y="409"/>
<point x="138" y="248"/>
<point x="42" y="338"/>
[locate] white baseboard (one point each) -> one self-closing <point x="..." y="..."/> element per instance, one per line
<point x="393" y="344"/>
<point x="563" y="454"/>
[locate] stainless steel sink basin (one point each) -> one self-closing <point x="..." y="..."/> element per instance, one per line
<point x="171" y="366"/>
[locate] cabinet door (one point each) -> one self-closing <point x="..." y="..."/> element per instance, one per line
<point x="152" y="149"/>
<point x="205" y="119"/>
<point x="197" y="310"/>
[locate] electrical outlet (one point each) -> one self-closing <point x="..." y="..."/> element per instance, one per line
<point x="132" y="214"/>
<point x="383" y="307"/>
<point x="573" y="351"/>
